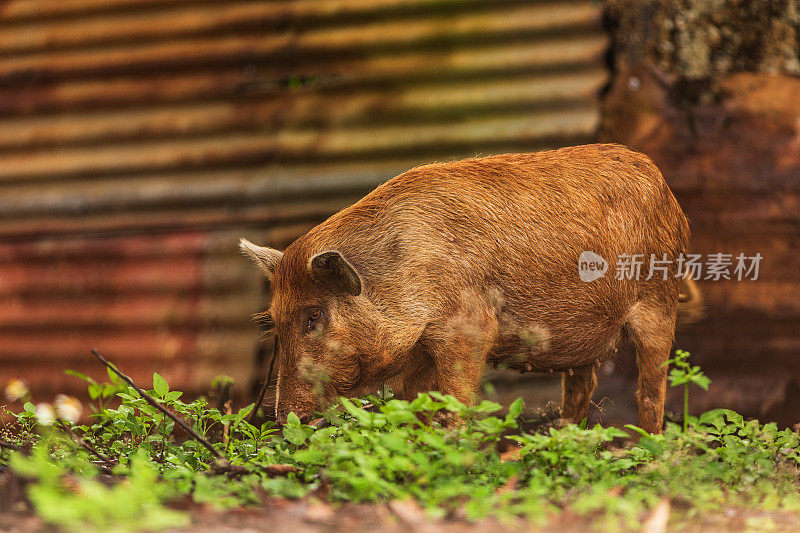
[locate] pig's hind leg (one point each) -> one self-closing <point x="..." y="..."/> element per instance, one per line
<point x="576" y="392"/>
<point x="652" y="329"/>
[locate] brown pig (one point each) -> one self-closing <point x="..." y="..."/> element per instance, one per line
<point x="451" y="266"/>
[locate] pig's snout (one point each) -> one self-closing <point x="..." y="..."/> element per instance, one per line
<point x="302" y="407"/>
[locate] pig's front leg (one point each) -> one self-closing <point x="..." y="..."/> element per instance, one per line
<point x="459" y="357"/>
<point x="419" y="374"/>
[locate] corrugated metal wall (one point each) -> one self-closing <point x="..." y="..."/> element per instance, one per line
<point x="138" y="138"/>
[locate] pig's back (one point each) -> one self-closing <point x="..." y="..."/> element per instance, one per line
<point x="543" y="206"/>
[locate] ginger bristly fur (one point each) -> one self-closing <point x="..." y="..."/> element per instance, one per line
<point x="451" y="266"/>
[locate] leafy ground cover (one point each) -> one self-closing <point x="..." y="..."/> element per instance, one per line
<point x="133" y="468"/>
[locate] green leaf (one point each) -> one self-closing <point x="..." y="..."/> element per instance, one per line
<point x="487" y="406"/>
<point x="296" y="435"/>
<point x="677" y="379"/>
<point x="701" y="381"/>
<point x="292" y="421"/>
<point x="715" y="417"/>
<point x="113" y="377"/>
<point x="324" y="435"/>
<point x="397" y="418"/>
<point x="365" y="418"/>
<point x="651" y="445"/>
<point x="243" y="412"/>
<point x="95" y="390"/>
<point x="638" y="430"/>
<point x="515" y="409"/>
<point x="160" y="385"/>
<point x="613" y="433"/>
<point x="310" y="456"/>
<point x="79" y="375"/>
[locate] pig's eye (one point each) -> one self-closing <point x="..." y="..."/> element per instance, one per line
<point x="314" y="316"/>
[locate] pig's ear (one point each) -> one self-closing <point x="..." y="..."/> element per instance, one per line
<point x="333" y="269"/>
<point x="266" y="258"/>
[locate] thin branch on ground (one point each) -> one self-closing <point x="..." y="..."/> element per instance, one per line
<point x="89" y="448"/>
<point x="149" y="399"/>
<point x="271" y="470"/>
<point x="9" y="446"/>
<point x="320" y="423"/>
<point x="226" y="427"/>
<point x="222" y="465"/>
<point x="282" y="470"/>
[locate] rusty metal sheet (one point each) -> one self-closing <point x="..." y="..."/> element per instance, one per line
<point x="150" y="300"/>
<point x="26" y="10"/>
<point x="239" y="17"/>
<point x="239" y="79"/>
<point x="104" y="29"/>
<point x="418" y="102"/>
<point x="298" y="145"/>
<point x="140" y="138"/>
<point x="315" y="45"/>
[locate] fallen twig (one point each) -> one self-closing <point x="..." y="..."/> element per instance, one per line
<point x="282" y="470"/>
<point x="222" y="466"/>
<point x="320" y="423"/>
<point x="240" y="470"/>
<point x="89" y="448"/>
<point x="226" y="427"/>
<point x="149" y="399"/>
<point x="9" y="446"/>
<point x="263" y="392"/>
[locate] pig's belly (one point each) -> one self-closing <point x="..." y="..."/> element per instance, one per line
<point x="540" y="348"/>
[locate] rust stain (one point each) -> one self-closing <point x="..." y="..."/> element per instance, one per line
<point x="132" y="131"/>
<point x="154" y="326"/>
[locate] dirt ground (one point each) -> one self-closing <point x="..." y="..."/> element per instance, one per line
<point x="278" y="515"/>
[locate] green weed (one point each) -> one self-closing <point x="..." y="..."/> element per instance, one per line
<point x="381" y="448"/>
